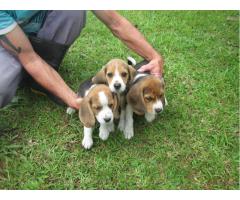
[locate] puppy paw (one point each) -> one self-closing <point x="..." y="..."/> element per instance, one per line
<point x="103" y="135"/>
<point x="121" y="125"/>
<point x="70" y="111"/>
<point x="149" y="117"/>
<point x="87" y="143"/>
<point x="128" y="133"/>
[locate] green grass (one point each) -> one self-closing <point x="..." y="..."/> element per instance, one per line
<point x="192" y="145"/>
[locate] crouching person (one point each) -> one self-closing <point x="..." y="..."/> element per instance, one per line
<point x="36" y="42"/>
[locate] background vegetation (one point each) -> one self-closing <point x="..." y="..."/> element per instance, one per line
<point x="192" y="145"/>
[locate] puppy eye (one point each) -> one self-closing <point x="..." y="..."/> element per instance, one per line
<point x="149" y="98"/>
<point x="124" y="74"/>
<point x="110" y="74"/>
<point x="110" y="105"/>
<point x="98" y="107"/>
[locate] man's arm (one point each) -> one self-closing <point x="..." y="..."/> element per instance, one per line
<point x="130" y="36"/>
<point x="18" y="44"/>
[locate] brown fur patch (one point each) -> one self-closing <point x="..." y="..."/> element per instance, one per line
<point x="145" y="93"/>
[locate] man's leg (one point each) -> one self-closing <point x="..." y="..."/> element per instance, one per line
<point x="11" y="73"/>
<point x="59" y="31"/>
<point x="63" y="26"/>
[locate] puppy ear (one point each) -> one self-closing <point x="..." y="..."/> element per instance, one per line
<point x="86" y="115"/>
<point x="115" y="106"/>
<point x="100" y="77"/>
<point x="136" y="100"/>
<point x="132" y="72"/>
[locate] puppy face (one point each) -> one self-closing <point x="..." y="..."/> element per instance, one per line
<point x="116" y="74"/>
<point x="153" y="96"/>
<point x="147" y="96"/>
<point x="101" y="104"/>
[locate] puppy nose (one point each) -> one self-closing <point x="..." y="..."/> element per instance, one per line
<point x="158" y="110"/>
<point x="107" y="119"/>
<point x="117" y="86"/>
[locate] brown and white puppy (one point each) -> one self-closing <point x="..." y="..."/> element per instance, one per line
<point x="117" y="74"/>
<point x="98" y="104"/>
<point x="145" y="97"/>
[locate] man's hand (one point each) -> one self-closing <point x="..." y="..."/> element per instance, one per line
<point x="155" y="67"/>
<point x="132" y="38"/>
<point x="76" y="104"/>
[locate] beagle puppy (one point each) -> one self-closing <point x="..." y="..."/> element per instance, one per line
<point x="117" y="74"/>
<point x="145" y="97"/>
<point x="98" y="104"/>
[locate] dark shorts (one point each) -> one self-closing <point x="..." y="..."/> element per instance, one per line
<point x="59" y="26"/>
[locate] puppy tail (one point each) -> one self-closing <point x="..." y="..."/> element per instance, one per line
<point x="131" y="61"/>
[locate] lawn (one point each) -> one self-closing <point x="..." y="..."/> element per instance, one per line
<point x="193" y="144"/>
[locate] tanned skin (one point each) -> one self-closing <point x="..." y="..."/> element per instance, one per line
<point x="133" y="39"/>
